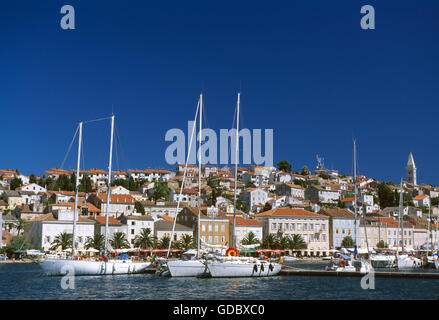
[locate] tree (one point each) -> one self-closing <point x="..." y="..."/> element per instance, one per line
<point x="187" y="241"/>
<point x="119" y="241"/>
<point x="348" y="242"/>
<point x="269" y="241"/>
<point x="85" y="185"/>
<point x="300" y="183"/>
<point x="434" y="201"/>
<point x="297" y="243"/>
<point x="385" y="196"/>
<point x="15" y="183"/>
<point x="17" y="243"/>
<point x="32" y="178"/>
<point x="305" y="171"/>
<point x="20" y="225"/>
<point x="284" y="165"/>
<point x="250" y="184"/>
<point x="139" y="208"/>
<point x="381" y="244"/>
<point x="63" y="240"/>
<point x="97" y="242"/>
<point x="249" y="239"/>
<point x="161" y="190"/>
<point x="164" y="242"/>
<point x="283" y="242"/>
<point x="144" y="239"/>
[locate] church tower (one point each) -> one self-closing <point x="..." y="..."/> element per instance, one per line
<point x="411" y="170"/>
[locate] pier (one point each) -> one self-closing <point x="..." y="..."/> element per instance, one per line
<point x="377" y="274"/>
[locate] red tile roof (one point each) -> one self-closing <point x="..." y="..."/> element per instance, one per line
<point x="286" y="212"/>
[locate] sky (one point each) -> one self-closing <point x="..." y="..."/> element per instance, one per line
<point x="305" y="69"/>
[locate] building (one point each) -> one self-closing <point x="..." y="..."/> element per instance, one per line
<point x="163" y="228"/>
<point x="119" y="203"/>
<point x="290" y="189"/>
<point x="243" y="227"/>
<point x="114" y="226"/>
<point x="253" y="197"/>
<point x="342" y="223"/>
<point x="311" y="226"/>
<point x="411" y="170"/>
<point x="135" y="224"/>
<point x="322" y="193"/>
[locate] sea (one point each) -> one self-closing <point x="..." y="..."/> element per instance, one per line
<point x="26" y="281"/>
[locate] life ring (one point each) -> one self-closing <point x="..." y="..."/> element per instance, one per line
<point x="232" y="252"/>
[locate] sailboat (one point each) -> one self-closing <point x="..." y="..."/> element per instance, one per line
<point x="403" y="260"/>
<point x="196" y="266"/>
<point x="60" y="267"/>
<point x="230" y="266"/>
<point x="357" y="265"/>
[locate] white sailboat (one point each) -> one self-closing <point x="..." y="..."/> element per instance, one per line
<point x="196" y="266"/>
<point x="404" y="261"/>
<point x="59" y="267"/>
<point x="221" y="267"/>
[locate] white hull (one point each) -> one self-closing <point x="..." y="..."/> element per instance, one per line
<point x="186" y="268"/>
<point x="383" y="261"/>
<point x="60" y="267"/>
<point x="289" y="259"/>
<point x="408" y="262"/>
<point x="243" y="269"/>
<point x="436" y="264"/>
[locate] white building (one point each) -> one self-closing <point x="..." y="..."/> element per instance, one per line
<point x="135" y="224"/>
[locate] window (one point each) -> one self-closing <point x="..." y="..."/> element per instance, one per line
<point x="311" y="226"/>
<point x="293" y="227"/>
<point x="203" y="227"/>
<point x="222" y="239"/>
<point x="210" y="227"/>
<point x="299" y="226"/>
<point x="273" y="226"/>
<point x="216" y="229"/>
<point x="132" y="231"/>
<point x="210" y="239"/>
<point x="133" y="223"/>
<point x="223" y="228"/>
<point x="80" y="239"/>
<point x="216" y="239"/>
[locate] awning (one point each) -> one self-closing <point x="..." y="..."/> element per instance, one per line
<point x="252" y="250"/>
<point x="344" y="256"/>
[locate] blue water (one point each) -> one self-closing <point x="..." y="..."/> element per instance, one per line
<point x="26" y="281"/>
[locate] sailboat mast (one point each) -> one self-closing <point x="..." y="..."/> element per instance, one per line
<point x="236" y="169"/>
<point x="109" y="185"/>
<point x="199" y="175"/>
<point x="429" y="232"/>
<point x="355" y="192"/>
<point x="75" y="209"/>
<point x="401" y="217"/>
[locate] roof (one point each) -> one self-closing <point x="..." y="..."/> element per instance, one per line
<point x="420" y="197"/>
<point x="337" y="212"/>
<point x="119" y="198"/>
<point x="133" y="217"/>
<point x="289" y="212"/>
<point x="165" y="225"/>
<point x="240" y="221"/>
<point x="111" y="220"/>
<point x="167" y="218"/>
<point x="49" y="217"/>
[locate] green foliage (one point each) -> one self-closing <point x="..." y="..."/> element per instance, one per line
<point x="17" y="243"/>
<point x="305" y="171"/>
<point x="161" y="190"/>
<point x="119" y="241"/>
<point x="267" y="207"/>
<point x="324" y="176"/>
<point x="348" y="242"/>
<point x="385" y="196"/>
<point x="32" y="178"/>
<point x="187" y="242"/>
<point x="382" y="245"/>
<point x="164" y="242"/>
<point x="249" y="239"/>
<point x="250" y="184"/>
<point x="297" y="243"/>
<point x="63" y="240"/>
<point x="144" y="240"/>
<point x="85" y="184"/>
<point x="20" y="225"/>
<point x="97" y="242"/>
<point x="139" y="207"/>
<point x="434" y="201"/>
<point x="269" y="241"/>
<point x="15" y="183"/>
<point x="300" y="183"/>
<point x="284" y="165"/>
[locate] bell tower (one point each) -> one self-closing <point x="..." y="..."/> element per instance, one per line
<point x="411" y="170"/>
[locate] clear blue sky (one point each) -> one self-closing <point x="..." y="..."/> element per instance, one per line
<point x="306" y="69"/>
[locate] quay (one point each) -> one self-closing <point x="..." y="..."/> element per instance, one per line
<point x="378" y="274"/>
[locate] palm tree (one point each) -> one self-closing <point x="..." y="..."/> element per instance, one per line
<point x="269" y="242"/>
<point x="187" y="242"/>
<point x="96" y="242"/>
<point x="164" y="242"/>
<point x="297" y="243"/>
<point x="119" y="241"/>
<point x="63" y="240"/>
<point x="284" y="243"/>
<point x="144" y="240"/>
<point x="250" y="238"/>
<point x="20" y="225"/>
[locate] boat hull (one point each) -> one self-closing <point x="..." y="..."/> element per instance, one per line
<point x="61" y="267"/>
<point x="186" y="268"/>
<point x="407" y="262"/>
<point x="231" y="269"/>
<point x="436" y="264"/>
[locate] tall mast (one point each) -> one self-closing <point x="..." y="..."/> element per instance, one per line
<point x="199" y="174"/>
<point x="355" y="192"/>
<point x="236" y="168"/>
<point x="401" y="217"/>
<point x="109" y="185"/>
<point x="75" y="209"/>
<point x="1" y="229"/>
<point x="429" y="232"/>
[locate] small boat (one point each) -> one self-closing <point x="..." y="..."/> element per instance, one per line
<point x="232" y="267"/>
<point x="405" y="261"/>
<point x="383" y="261"/>
<point x="289" y="258"/>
